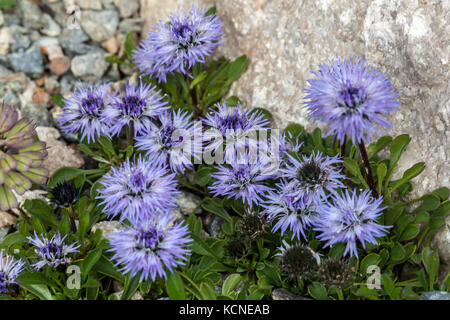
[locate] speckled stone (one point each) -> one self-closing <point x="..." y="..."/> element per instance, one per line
<point x="285" y="40"/>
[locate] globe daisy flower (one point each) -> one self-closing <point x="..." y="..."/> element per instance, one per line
<point x="176" y="45"/>
<point x="9" y="270"/>
<point x="83" y="112"/>
<point x="335" y="273"/>
<point x="242" y="178"/>
<point x="136" y="108"/>
<point x="176" y="140"/>
<point x="151" y="247"/>
<point x="298" y="261"/>
<point x="289" y="212"/>
<point x="137" y="190"/>
<point x="64" y="194"/>
<point x="52" y="252"/>
<point x="310" y="178"/>
<point x="234" y="126"/>
<point x="349" y="219"/>
<point x="351" y="99"/>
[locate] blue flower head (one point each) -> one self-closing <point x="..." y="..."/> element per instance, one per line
<point x="9" y="270"/>
<point x="175" y="46"/>
<point x="136" y="107"/>
<point x="151" y="247"/>
<point x="84" y="111"/>
<point x="137" y="190"/>
<point x="288" y="212"/>
<point x="176" y="140"/>
<point x="310" y="178"/>
<point x="351" y="218"/>
<point x="52" y="252"/>
<point x="351" y="99"/>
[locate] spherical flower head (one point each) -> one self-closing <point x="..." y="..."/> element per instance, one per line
<point x="335" y="273"/>
<point x="136" y="107"/>
<point x="289" y="212"/>
<point x="64" y="193"/>
<point x="9" y="270"/>
<point x="351" y="99"/>
<point x="84" y="110"/>
<point x="137" y="190"/>
<point x="243" y="178"/>
<point x="311" y="177"/>
<point x="349" y="219"/>
<point x="175" y="46"/>
<point x="176" y="141"/>
<point x="151" y="247"/>
<point x="235" y="126"/>
<point x="52" y="252"/>
<point x="298" y="260"/>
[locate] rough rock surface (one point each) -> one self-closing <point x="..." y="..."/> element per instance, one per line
<point x="107" y="227"/>
<point x="59" y="154"/>
<point x="284" y="40"/>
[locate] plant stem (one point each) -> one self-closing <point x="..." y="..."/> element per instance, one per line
<point x="71" y="214"/>
<point x="340" y="294"/>
<point x="131" y="135"/>
<point x="343" y="146"/>
<point x="362" y="149"/>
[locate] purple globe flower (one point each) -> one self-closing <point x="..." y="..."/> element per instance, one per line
<point x="136" y="107"/>
<point x="311" y="177"/>
<point x="288" y="212"/>
<point x="242" y="178"/>
<point x="350" y="98"/>
<point x="351" y="217"/>
<point x="84" y="111"/>
<point x="234" y="126"/>
<point x="176" y="140"/>
<point x="52" y="252"/>
<point x="9" y="270"/>
<point x="177" y="45"/>
<point x="151" y="246"/>
<point x="137" y="190"/>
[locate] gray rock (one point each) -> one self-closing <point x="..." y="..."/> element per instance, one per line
<point x="59" y="153"/>
<point x="2" y="19"/>
<point x="130" y="25"/>
<point x="187" y="202"/>
<point x="11" y="86"/>
<point x="107" y="228"/>
<point x="89" y="4"/>
<point x="284" y="40"/>
<point x="127" y="7"/>
<point x="29" y="61"/>
<point x="91" y="66"/>
<point x="435" y="295"/>
<point x="39" y="114"/>
<point x="4" y="71"/>
<point x="30" y="14"/>
<point x="213" y="224"/>
<point x="282" y="294"/>
<point x="100" y="26"/>
<point x="3" y="233"/>
<point x="51" y="85"/>
<point x="442" y="242"/>
<point x="67" y="83"/>
<point x="20" y="40"/>
<point x="6" y="38"/>
<point x="73" y="40"/>
<point x="10" y="19"/>
<point x="50" y="27"/>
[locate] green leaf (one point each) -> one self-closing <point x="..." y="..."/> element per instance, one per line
<point x="443" y="193"/>
<point x="58" y="100"/>
<point x="113" y="60"/>
<point x="370" y="294"/>
<point x="381" y="174"/>
<point x="232" y="101"/>
<point x="90" y="260"/>
<point x="397" y="147"/>
<point x="230" y="283"/>
<point x="203" y="176"/>
<point x="294" y="129"/>
<point x="430" y="260"/>
<point x="392" y="214"/>
<point x="34" y="277"/>
<point x="430" y="202"/>
<point x="397" y="253"/>
<point x="318" y="291"/>
<point x="237" y="67"/>
<point x="352" y="166"/>
<point x="39" y="290"/>
<point x="410" y="232"/>
<point x="409" y="174"/>
<point x="198" y="79"/>
<point x="64" y="174"/>
<point x="214" y="205"/>
<point x="6" y="3"/>
<point x="374" y="148"/>
<point x="106" y="267"/>
<point x="41" y="210"/>
<point x="11" y="239"/>
<point x="370" y="259"/>
<point x="175" y="287"/>
<point x="207" y="292"/>
<point x="130" y="46"/>
<point x="130" y="287"/>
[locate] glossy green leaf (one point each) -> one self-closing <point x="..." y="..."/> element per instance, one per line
<point x="175" y="287"/>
